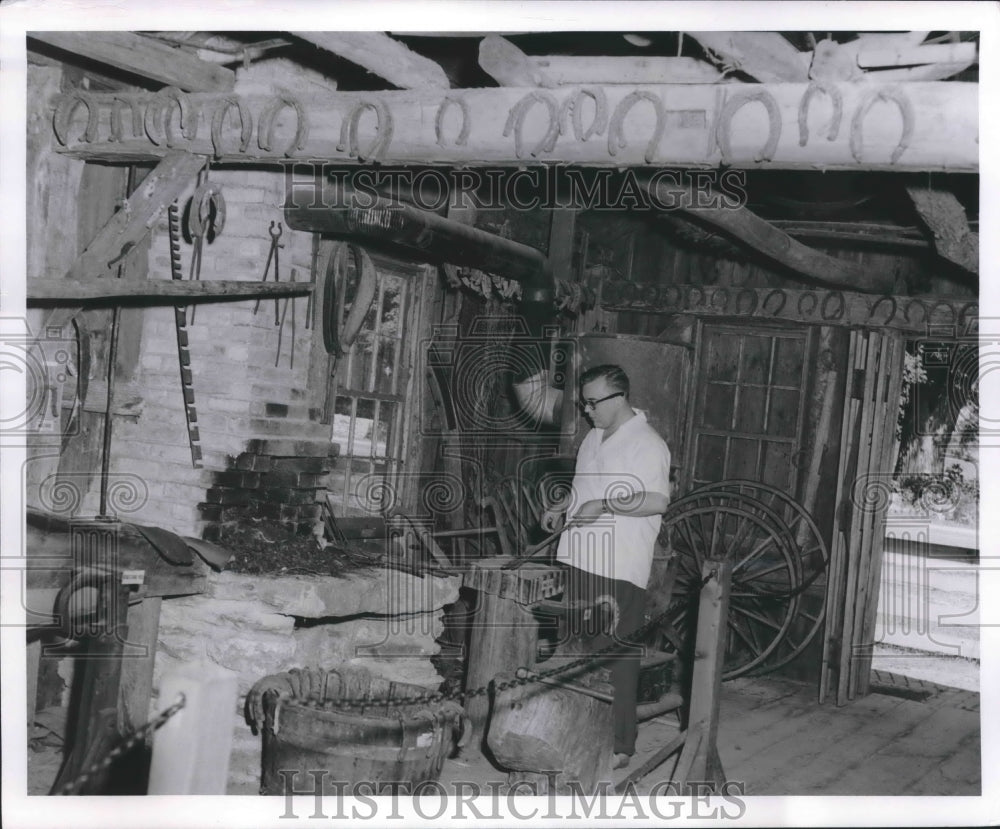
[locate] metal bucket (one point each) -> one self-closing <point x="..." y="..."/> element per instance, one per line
<point x="391" y="746"/>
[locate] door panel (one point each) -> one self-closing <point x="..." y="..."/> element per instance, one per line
<point x="750" y="393"/>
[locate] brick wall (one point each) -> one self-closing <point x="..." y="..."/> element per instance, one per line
<point x="240" y="395"/>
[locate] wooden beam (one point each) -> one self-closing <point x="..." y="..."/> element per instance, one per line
<point x="832" y="61"/>
<point x="756" y="233"/>
<point x="508" y="65"/>
<point x="570" y="70"/>
<point x="749" y="229"/>
<point x="851" y="309"/>
<point x="915" y="127"/>
<point x="945" y="217"/>
<point x="382" y="55"/>
<point x="145" y="57"/>
<point x="766" y="56"/>
<point x="916" y="55"/>
<point x="156" y="291"/>
<point x="134" y="221"/>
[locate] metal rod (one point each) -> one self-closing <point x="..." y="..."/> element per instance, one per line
<point x="112" y="360"/>
<point x="524" y="673"/>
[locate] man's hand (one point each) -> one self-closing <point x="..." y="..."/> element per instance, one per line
<point x="589" y="512"/>
<point x="552" y="520"/>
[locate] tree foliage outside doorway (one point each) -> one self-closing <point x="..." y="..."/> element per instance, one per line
<point x="937" y="470"/>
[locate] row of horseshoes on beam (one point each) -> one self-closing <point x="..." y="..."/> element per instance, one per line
<point x="832" y="307"/>
<point x="152" y="115"/>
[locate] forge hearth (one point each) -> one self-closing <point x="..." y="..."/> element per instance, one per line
<point x="257" y="625"/>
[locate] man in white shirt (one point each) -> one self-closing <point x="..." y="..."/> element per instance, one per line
<point x="620" y="490"/>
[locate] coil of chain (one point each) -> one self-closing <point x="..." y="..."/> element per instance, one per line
<point x="126" y="745"/>
<point x="434" y="697"/>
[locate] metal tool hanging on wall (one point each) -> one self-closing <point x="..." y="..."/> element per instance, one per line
<point x="272" y="256"/>
<point x="207" y="215"/>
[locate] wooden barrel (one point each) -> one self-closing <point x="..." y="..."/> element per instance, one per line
<point x="381" y="748"/>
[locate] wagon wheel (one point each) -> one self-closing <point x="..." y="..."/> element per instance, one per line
<point x="812" y="554"/>
<point x="763" y="598"/>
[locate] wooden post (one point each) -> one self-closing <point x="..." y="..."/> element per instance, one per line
<point x="191" y="750"/>
<point x="504" y="637"/>
<point x="137" y="670"/>
<point x="699" y="760"/>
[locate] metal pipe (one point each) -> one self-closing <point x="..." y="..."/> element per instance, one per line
<point x="421" y="233"/>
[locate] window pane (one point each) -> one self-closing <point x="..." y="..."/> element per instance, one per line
<point x="720" y="399"/>
<point x="392" y="306"/>
<point x="777" y="465"/>
<point x="711" y="457"/>
<point x="722" y="356"/>
<point x="384" y="432"/>
<point x="363" y="425"/>
<point x="756" y="359"/>
<point x="783" y="416"/>
<point x="342" y="425"/>
<point x="385" y="374"/>
<point x="751" y="417"/>
<point x="360" y="363"/>
<point x="743" y="460"/>
<point x="788" y="363"/>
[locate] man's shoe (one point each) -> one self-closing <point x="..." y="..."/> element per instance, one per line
<point x="621" y="760"/>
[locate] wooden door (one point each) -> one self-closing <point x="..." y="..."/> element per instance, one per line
<point x="750" y="392"/>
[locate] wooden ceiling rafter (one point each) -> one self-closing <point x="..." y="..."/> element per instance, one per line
<point x="144" y="57"/>
<point x="383" y="56"/>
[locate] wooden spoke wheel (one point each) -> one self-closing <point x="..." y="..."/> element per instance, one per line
<point x="811" y="551"/>
<point x="764" y="597"/>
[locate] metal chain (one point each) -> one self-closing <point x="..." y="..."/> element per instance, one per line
<point x="126" y="745"/>
<point x="434" y="697"/>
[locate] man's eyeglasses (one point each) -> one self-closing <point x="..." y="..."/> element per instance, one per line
<point x="592" y="404"/>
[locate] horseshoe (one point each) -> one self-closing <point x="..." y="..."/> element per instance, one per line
<point x="572" y="107"/>
<point x="807" y="295"/>
<point x="833" y="93"/>
<point x="781" y="303"/>
<point x="616" y="141"/>
<point x="117" y="105"/>
<point x="962" y="321"/>
<point x="773" y="121"/>
<point x="752" y="294"/>
<point x="942" y="304"/>
<point x="678" y="296"/>
<point x="268" y="116"/>
<point x="630" y="292"/>
<point x="64" y="115"/>
<point x="892" y="309"/>
<point x="515" y="123"/>
<point x="246" y="122"/>
<point x="725" y="299"/>
<point x="349" y="131"/>
<point x="701" y="296"/>
<point x="918" y="303"/>
<point x="158" y="120"/>
<point x="841" y="306"/>
<point x="905" y="109"/>
<point x="463" y="134"/>
<point x="207" y="196"/>
<point x="189" y="124"/>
